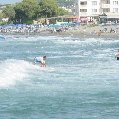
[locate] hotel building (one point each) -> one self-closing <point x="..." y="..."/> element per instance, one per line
<point x="94" y="8"/>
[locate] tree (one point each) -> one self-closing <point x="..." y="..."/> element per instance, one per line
<point x="1" y="15"/>
<point x="9" y="12"/>
<point x="20" y="14"/>
<point x="62" y="11"/>
<point x="49" y="8"/>
<point x="30" y="7"/>
<point x="26" y="10"/>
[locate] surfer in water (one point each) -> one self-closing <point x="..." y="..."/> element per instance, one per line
<point x="117" y="55"/>
<point x="40" y="60"/>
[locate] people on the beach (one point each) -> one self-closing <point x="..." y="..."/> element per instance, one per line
<point x="99" y="33"/>
<point x="112" y="30"/>
<point x="117" y="55"/>
<point x="40" y="60"/>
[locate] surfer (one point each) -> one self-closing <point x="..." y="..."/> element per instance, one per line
<point x="117" y="55"/>
<point x="40" y="60"/>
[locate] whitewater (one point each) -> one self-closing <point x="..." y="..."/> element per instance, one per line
<point x="81" y="80"/>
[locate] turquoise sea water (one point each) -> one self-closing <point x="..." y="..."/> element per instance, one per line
<point x="81" y="80"/>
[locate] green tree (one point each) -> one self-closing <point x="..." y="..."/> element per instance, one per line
<point x="9" y="12"/>
<point x="20" y="13"/>
<point x="62" y="11"/>
<point x="1" y="15"/>
<point x="26" y="10"/>
<point x="49" y="8"/>
<point x="30" y="7"/>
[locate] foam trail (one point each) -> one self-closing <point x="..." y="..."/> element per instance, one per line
<point x="12" y="71"/>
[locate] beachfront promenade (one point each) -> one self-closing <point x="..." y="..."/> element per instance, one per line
<point x="72" y="29"/>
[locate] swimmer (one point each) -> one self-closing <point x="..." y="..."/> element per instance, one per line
<point x="40" y="60"/>
<point x="117" y="55"/>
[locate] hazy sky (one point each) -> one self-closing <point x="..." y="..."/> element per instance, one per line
<point x="9" y="1"/>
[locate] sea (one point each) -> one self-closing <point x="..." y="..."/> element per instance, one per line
<point x="81" y="80"/>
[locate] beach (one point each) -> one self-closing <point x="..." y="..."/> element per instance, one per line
<point x="109" y="31"/>
<point x="92" y="32"/>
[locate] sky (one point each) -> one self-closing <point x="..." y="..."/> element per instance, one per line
<point x="9" y="1"/>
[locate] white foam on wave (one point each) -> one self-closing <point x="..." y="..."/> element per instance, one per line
<point x="85" y="40"/>
<point x="33" y="38"/>
<point x="69" y="40"/>
<point x="101" y="40"/>
<point x="12" y="70"/>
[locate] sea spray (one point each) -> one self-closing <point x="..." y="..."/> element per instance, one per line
<point x="13" y="70"/>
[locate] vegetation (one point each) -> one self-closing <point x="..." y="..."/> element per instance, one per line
<point x="28" y="10"/>
<point x="1" y="15"/>
<point x="3" y="23"/>
<point x="49" y="8"/>
<point x="9" y="12"/>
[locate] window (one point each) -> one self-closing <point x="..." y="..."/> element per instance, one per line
<point x="94" y="2"/>
<point x="94" y="10"/>
<point x="106" y="1"/>
<point x="115" y="10"/>
<point x="115" y="2"/>
<point x="83" y="3"/>
<point x="106" y="10"/>
<point x="83" y="10"/>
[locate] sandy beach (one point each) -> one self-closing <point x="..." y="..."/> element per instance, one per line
<point x="80" y="31"/>
<point x="93" y="32"/>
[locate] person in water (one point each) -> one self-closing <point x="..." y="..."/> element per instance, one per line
<point x="117" y="55"/>
<point x="40" y="60"/>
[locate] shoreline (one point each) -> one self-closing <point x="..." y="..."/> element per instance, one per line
<point x="83" y="32"/>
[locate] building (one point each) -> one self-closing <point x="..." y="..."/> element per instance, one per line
<point x="111" y="9"/>
<point x="90" y="9"/>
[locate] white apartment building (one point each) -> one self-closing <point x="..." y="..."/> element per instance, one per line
<point x="94" y="8"/>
